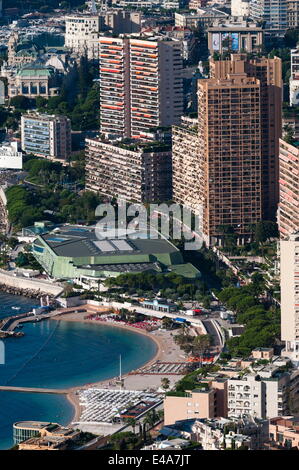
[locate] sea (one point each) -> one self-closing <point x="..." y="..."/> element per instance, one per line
<point x="59" y="354"/>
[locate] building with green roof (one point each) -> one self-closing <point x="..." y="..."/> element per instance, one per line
<point x="34" y="80"/>
<point x="76" y="252"/>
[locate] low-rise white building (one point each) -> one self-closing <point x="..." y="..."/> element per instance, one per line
<point x="10" y="158"/>
<point x="82" y="34"/>
<point x="222" y="433"/>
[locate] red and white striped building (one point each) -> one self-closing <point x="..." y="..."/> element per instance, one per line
<point x="141" y="85"/>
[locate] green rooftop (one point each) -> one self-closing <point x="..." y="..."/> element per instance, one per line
<point x="35" y="72"/>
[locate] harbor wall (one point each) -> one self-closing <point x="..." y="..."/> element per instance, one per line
<point x="24" y="284"/>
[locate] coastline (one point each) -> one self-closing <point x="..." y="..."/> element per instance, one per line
<point x="163" y="340"/>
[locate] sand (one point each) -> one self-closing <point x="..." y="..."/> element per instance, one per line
<point x="167" y="351"/>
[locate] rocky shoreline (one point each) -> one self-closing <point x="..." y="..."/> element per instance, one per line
<point x="30" y="293"/>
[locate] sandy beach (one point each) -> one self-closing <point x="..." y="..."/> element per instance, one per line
<point x="167" y="351"/>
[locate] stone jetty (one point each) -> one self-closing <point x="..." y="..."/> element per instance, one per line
<point x="31" y="293"/>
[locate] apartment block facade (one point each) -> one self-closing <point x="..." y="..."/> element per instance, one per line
<point x="136" y="172"/>
<point x="293" y="13"/>
<point x="186" y="165"/>
<point x="114" y="87"/>
<point x="288" y="213"/>
<point x="269" y="73"/>
<point x="263" y="395"/>
<point x="289" y="283"/>
<point x="230" y="155"/>
<point x="144" y="81"/>
<point x="46" y="136"/>
<point x="82" y="34"/>
<point x="231" y="169"/>
<point x="207" y="402"/>
<point x="272" y="12"/>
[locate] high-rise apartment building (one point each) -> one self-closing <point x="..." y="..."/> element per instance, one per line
<point x="46" y="136"/>
<point x="289" y="283"/>
<point x="232" y="169"/>
<point x="138" y="172"/>
<point x="269" y="73"/>
<point x="272" y="12"/>
<point x="230" y="154"/>
<point x="115" y="86"/>
<point x="288" y="213"/>
<point x="141" y="85"/>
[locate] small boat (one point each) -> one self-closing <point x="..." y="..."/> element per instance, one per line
<point x="16" y="308"/>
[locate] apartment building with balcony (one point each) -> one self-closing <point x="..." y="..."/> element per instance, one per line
<point x="272" y="12"/>
<point x="269" y="73"/>
<point x="156" y="84"/>
<point x="114" y="87"/>
<point x="187" y="171"/>
<point x="230" y="155"/>
<point x="288" y="212"/>
<point x="10" y="158"/>
<point x="46" y="136"/>
<point x="141" y="85"/>
<point x="134" y="171"/>
<point x="289" y="283"/>
<point x="263" y="393"/>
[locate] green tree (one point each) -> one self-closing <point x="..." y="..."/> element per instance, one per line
<point x="165" y="382"/>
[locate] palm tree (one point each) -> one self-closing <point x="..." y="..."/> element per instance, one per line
<point x="165" y="382"/>
<point x="150" y="418"/>
<point x="131" y="422"/>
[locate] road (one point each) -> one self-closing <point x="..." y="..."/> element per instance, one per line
<point x="212" y="330"/>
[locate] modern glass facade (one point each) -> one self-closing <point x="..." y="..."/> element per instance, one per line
<point x="21" y="434"/>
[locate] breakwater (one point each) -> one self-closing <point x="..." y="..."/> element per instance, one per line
<point x="28" y="287"/>
<point x="30" y="293"/>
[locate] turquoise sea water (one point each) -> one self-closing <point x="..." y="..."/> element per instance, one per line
<point x="59" y="354"/>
